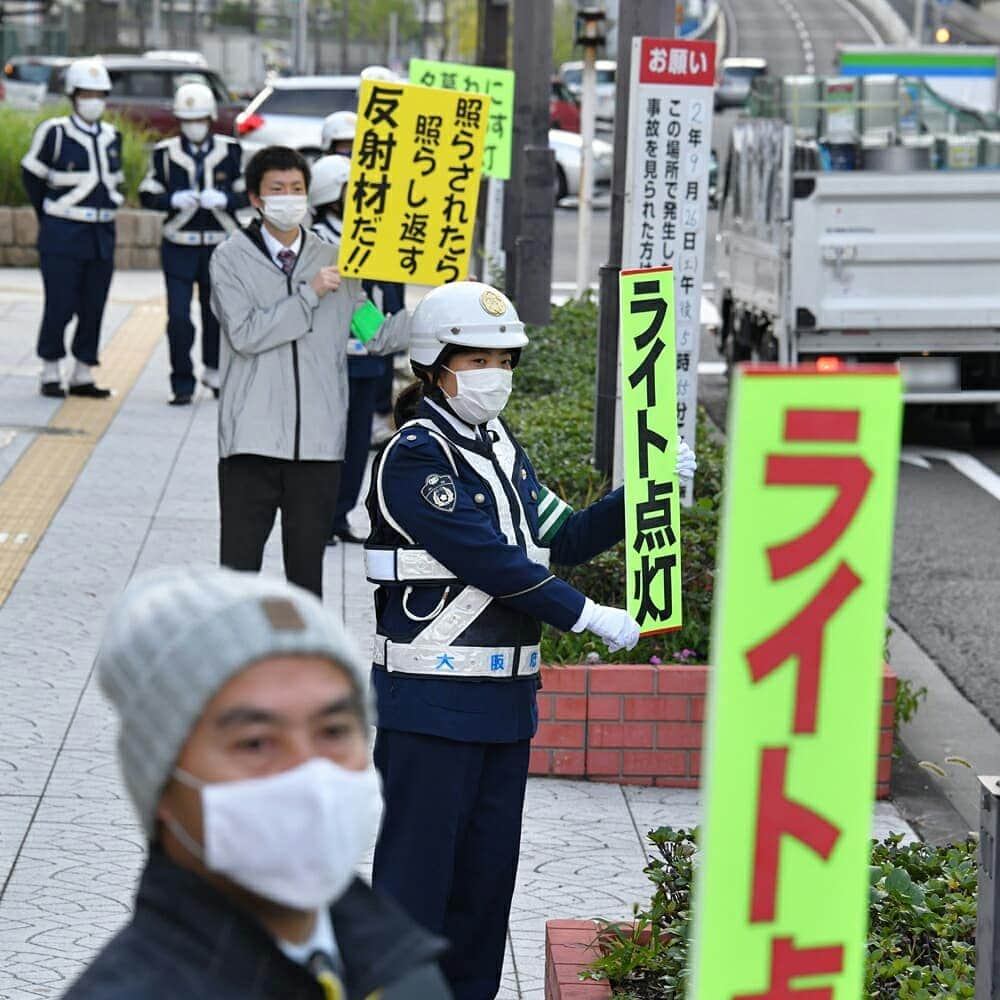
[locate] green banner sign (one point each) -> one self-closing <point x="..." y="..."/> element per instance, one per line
<point x="781" y="901"/>
<point x="649" y="446"/>
<point x="498" y="84"/>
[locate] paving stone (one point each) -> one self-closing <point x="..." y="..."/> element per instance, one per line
<point x="71" y="847"/>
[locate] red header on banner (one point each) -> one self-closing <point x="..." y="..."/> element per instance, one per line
<point x="676" y="61"/>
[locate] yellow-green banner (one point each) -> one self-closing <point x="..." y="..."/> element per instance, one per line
<point x="414" y="185"/>
<point x="802" y="582"/>
<point x="649" y="447"/>
<point x="498" y="83"/>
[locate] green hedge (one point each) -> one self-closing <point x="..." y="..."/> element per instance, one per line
<point x="17" y="128"/>
<point x="552" y="413"/>
<point x="921" y="933"/>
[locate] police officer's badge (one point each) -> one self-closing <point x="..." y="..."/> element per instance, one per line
<point x="493" y="302"/>
<point x="439" y="492"/>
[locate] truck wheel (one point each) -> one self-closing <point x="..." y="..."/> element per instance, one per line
<point x="985" y="426"/>
<point x="734" y="353"/>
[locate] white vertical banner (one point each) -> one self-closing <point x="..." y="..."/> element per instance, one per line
<point x="493" y="255"/>
<point x="666" y="194"/>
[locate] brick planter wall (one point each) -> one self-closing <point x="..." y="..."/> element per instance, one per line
<point x="569" y="948"/>
<point x="137" y="243"/>
<point x="641" y="724"/>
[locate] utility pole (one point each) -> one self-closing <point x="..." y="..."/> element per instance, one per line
<point x="156" y="27"/>
<point x="590" y="35"/>
<point x="345" y="26"/>
<point x="529" y="206"/>
<point x="653" y="18"/>
<point x="919" y="20"/>
<point x="492" y="30"/>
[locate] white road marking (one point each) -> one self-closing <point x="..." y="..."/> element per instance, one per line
<point x="21" y="537"/>
<point x="969" y="466"/>
<point x="6" y="437"/>
<point x="3" y="537"/>
<point x="711" y="367"/>
<point x="805" y="39"/>
<point x="867" y="26"/>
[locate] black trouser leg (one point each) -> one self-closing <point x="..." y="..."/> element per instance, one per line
<point x="93" y="298"/>
<point x="62" y="278"/>
<point x="180" y="334"/>
<point x="209" y="324"/>
<point x="249" y="495"/>
<point x="308" y="500"/>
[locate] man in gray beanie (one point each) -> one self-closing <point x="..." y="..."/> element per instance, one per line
<point x="244" y="747"/>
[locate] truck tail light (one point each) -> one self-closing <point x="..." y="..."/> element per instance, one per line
<point x="248" y="123"/>
<point x="828" y="363"/>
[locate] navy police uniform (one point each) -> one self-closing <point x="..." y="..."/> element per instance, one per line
<point x="365" y="376"/>
<point x="189" y="238"/>
<point x="71" y="174"/>
<point x="462" y="533"/>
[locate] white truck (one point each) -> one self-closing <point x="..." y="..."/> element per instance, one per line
<point x="863" y="266"/>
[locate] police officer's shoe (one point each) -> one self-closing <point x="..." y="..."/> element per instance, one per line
<point x="89" y="390"/>
<point x="53" y="389"/>
<point x="345" y="535"/>
<point x="181" y="399"/>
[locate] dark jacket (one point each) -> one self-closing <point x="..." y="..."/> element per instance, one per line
<point x="187" y="941"/>
<point x="491" y="525"/>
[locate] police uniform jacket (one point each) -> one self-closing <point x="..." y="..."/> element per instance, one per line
<point x="179" y="165"/>
<point x="462" y="535"/>
<point x="71" y="173"/>
<point x="360" y="364"/>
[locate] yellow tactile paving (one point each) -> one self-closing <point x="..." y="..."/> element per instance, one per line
<point x="38" y="483"/>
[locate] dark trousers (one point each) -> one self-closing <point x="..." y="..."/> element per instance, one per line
<point x="383" y="397"/>
<point x="74" y="286"/>
<point x="360" y="408"/>
<point x="180" y="329"/>
<point x="252" y="488"/>
<point x="449" y="845"/>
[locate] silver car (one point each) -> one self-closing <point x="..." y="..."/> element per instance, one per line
<point x="568" y="147"/>
<point x="289" y="111"/>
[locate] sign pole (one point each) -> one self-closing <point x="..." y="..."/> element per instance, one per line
<point x="590" y="38"/>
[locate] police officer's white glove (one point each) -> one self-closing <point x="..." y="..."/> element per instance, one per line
<point x="213" y="199"/>
<point x="183" y="200"/>
<point x="616" y="627"/>
<point x="686" y="462"/>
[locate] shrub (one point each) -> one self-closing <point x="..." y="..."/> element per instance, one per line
<point x="921" y="935"/>
<point x="17" y="128"/>
<point x="552" y="414"/>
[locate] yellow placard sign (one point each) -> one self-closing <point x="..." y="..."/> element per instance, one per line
<point x="649" y="443"/>
<point x="498" y="83"/>
<point x="796" y="691"/>
<point x="414" y="184"/>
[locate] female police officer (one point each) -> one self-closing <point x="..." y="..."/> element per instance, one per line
<point x="462" y="532"/>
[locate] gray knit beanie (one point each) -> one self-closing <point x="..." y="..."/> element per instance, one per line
<point x="173" y="640"/>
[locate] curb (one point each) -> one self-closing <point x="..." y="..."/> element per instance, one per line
<point x="945" y="711"/>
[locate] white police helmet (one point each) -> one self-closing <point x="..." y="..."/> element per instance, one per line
<point x="464" y="314"/>
<point x="87" y="74"/>
<point x="338" y="127"/>
<point x="193" y="101"/>
<point x="329" y="175"/>
<point x="382" y="73"/>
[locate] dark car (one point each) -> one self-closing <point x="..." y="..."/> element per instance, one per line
<point x="564" y="112"/>
<point x="142" y="90"/>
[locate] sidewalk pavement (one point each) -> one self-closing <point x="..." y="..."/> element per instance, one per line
<point x="70" y="848"/>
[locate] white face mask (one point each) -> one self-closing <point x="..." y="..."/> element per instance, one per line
<point x="481" y="395"/>
<point x="90" y="108"/>
<point x="285" y="211"/>
<point x="294" y="837"/>
<point x="195" y="132"/>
